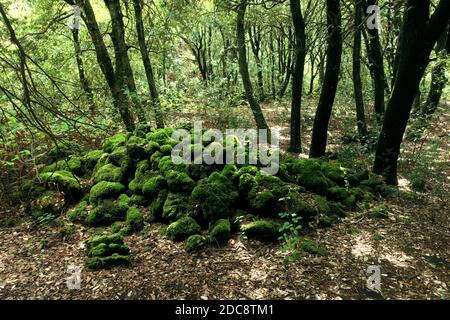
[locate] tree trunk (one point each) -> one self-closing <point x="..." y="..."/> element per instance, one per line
<point x="147" y="64"/>
<point x="357" y="83"/>
<point x="330" y="82"/>
<point x="297" y="78"/>
<point x="85" y="84"/>
<point x="116" y="84"/>
<point x="123" y="66"/>
<point x="419" y="34"/>
<point x="243" y="67"/>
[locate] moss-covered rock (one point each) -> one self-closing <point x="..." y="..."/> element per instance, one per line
<point x="138" y="200"/>
<point x="262" y="230"/>
<point x="157" y="206"/>
<point x="309" y="174"/>
<point x="134" y="221"/>
<point x="161" y="136"/>
<point x="179" y="182"/>
<point x="215" y="197"/>
<point x="265" y="194"/>
<point x="73" y="164"/>
<point x="153" y="186"/>
<point x="334" y="171"/>
<point x="246" y="184"/>
<point x="64" y="149"/>
<point x="137" y="148"/>
<point x="117" y="140"/>
<point x="194" y="243"/>
<point x="105" y="213"/>
<point x="51" y="202"/>
<point x="108" y="172"/>
<point x="142" y="175"/>
<point x="182" y="228"/>
<point x="175" y="207"/>
<point x="115" y="260"/>
<point x="105" y="190"/>
<point x="79" y="213"/>
<point x="312" y="247"/>
<point x="355" y="178"/>
<point x="65" y="181"/>
<point x="229" y="171"/>
<point x="166" y="149"/>
<point x="220" y="232"/>
<point x="91" y="158"/>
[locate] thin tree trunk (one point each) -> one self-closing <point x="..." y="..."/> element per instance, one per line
<point x="243" y="67"/>
<point x="147" y="64"/>
<point x="297" y="79"/>
<point x="357" y="83"/>
<point x="330" y="82"/>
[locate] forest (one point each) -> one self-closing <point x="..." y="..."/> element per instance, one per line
<point x="224" y="149"/>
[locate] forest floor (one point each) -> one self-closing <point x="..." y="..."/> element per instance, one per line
<point x="411" y="247"/>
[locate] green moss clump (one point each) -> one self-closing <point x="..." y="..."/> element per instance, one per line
<point x="312" y="247"/>
<point x="215" y="197"/>
<point x="136" y="148"/>
<point x="355" y="178"/>
<point x="153" y="186"/>
<point x="64" y="180"/>
<point x="309" y="174"/>
<point x="246" y="183"/>
<point x="134" y="221"/>
<point x="194" y="243"/>
<point x="229" y="171"/>
<point x="166" y="149"/>
<point x="116" y="227"/>
<point x="91" y="158"/>
<point x="155" y="159"/>
<point x="182" y="228"/>
<point x="79" y="213"/>
<point x="124" y="200"/>
<point x="262" y="229"/>
<point x="115" y="260"/>
<point x="175" y="207"/>
<point x="166" y="164"/>
<point x="109" y="173"/>
<point x="64" y="149"/>
<point x="105" y="213"/>
<point x="138" y="200"/>
<point x="334" y="171"/>
<point x="220" y="232"/>
<point x="73" y="164"/>
<point x="157" y="206"/>
<point x="338" y="194"/>
<point x="117" y="140"/>
<point x="179" y="182"/>
<point x="142" y="175"/>
<point x="373" y="181"/>
<point x="105" y="190"/>
<point x="160" y="136"/>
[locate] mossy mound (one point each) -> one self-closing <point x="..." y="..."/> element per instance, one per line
<point x="175" y="207"/>
<point x="182" y="228"/>
<point x="220" y="232"/>
<point x="134" y="221"/>
<point x="106" y="252"/>
<point x="105" y="190"/>
<point x="194" y="243"/>
<point x="262" y="230"/>
<point x="105" y="213"/>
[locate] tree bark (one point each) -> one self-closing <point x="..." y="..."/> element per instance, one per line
<point x="297" y="78"/>
<point x="419" y="34"/>
<point x="243" y="67"/>
<point x="147" y="65"/>
<point x="357" y="83"/>
<point x="330" y="82"/>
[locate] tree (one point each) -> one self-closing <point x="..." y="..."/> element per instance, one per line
<point x="297" y="77"/>
<point x="147" y="64"/>
<point x="243" y="66"/>
<point x="330" y="82"/>
<point x="357" y="82"/>
<point x="418" y="36"/>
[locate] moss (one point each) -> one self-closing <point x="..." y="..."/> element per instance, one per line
<point x="215" y="197"/>
<point x="161" y="136"/>
<point x="194" y="243"/>
<point x="73" y="164"/>
<point x="166" y="164"/>
<point x="220" y="232"/>
<point x="64" y="180"/>
<point x="115" y="260"/>
<point x="106" y="213"/>
<point x="252" y="170"/>
<point x="136" y="148"/>
<point x="246" y="183"/>
<point x="107" y="239"/>
<point x="262" y="201"/>
<point x="79" y="213"/>
<point x="143" y="174"/>
<point x="151" y="148"/>
<point x="373" y="181"/>
<point x="355" y="178"/>
<point x="267" y="190"/>
<point x="105" y="190"/>
<point x="134" y="221"/>
<point x="124" y="200"/>
<point x="179" y="182"/>
<point x="50" y="202"/>
<point x="262" y="230"/>
<point x="334" y="171"/>
<point x="152" y="187"/>
<point x="116" y="227"/>
<point x="380" y="212"/>
<point x="182" y="228"/>
<point x="295" y="203"/>
<point x="337" y="209"/>
<point x="199" y="171"/>
<point x="64" y="149"/>
<point x="175" y="207"/>
<point x="108" y="172"/>
<point x="327" y="221"/>
<point x="312" y="247"/>
<point x="166" y="149"/>
<point x="110" y="144"/>
<point x="157" y="206"/>
<point x="322" y="205"/>
<point x="120" y="158"/>
<point x="229" y="171"/>
<point x="155" y="159"/>
<point x="142" y="129"/>
<point x="91" y="158"/>
<point x="338" y="194"/>
<point x="309" y="174"/>
<point x="138" y="200"/>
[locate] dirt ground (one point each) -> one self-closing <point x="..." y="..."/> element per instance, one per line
<point x="411" y="248"/>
